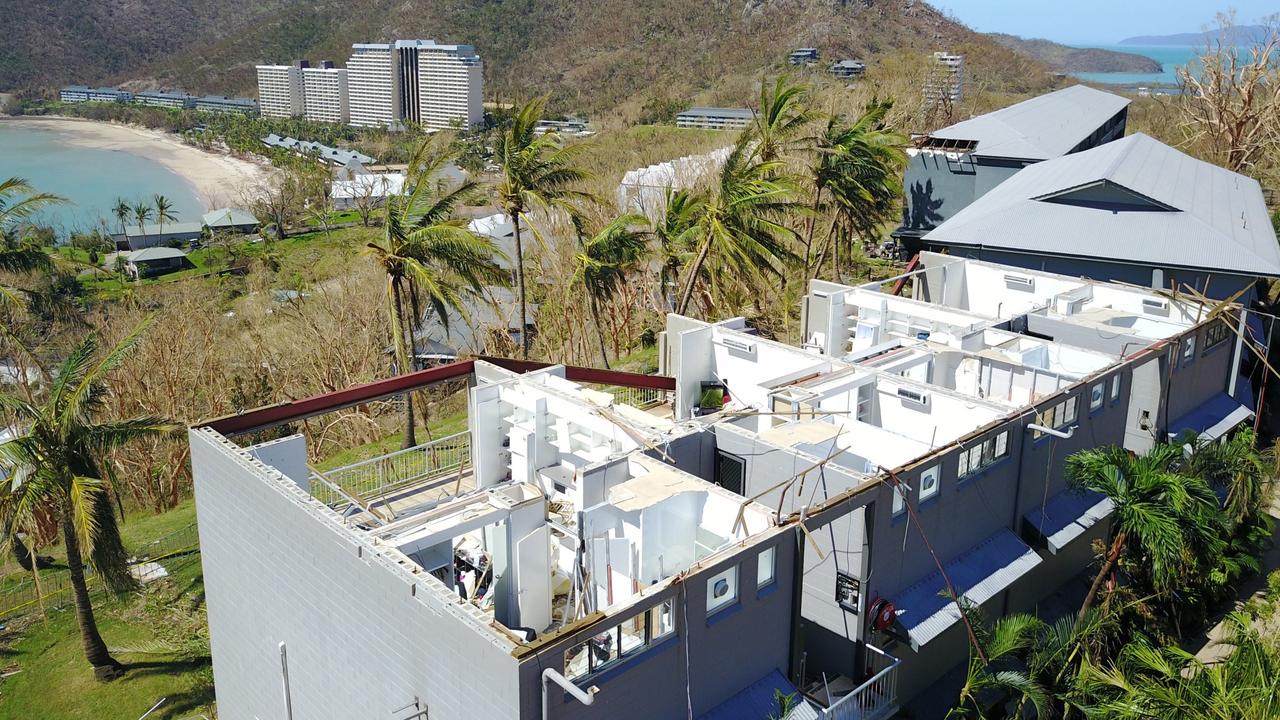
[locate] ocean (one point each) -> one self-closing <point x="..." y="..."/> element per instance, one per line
<point x="90" y="178"/>
<point x="1170" y="57"/>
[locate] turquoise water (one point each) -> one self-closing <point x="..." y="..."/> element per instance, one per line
<point x="89" y="177"/>
<point x="1170" y="57"/>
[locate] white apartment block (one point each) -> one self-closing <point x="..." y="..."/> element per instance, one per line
<point x="324" y="93"/>
<point x="280" y="90"/>
<point x="946" y="78"/>
<point x="449" y="85"/>
<point x="373" y="85"/>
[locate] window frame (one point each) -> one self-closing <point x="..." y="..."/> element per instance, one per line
<point x="1115" y="387"/>
<point x="1097" y="396"/>
<point x="936" y="473"/>
<point x="652" y="634"/>
<point x="731" y="575"/>
<point x="1216" y="334"/>
<point x="1188" y="352"/>
<point x="981" y="455"/>
<point x="772" y="553"/>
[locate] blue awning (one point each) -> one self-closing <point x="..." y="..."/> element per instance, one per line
<point x="1217" y="416"/>
<point x="1067" y="515"/>
<point x="978" y="575"/>
<point x="757" y="702"/>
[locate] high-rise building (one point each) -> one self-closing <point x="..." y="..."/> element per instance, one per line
<point x="946" y="78"/>
<point x="280" y="90"/>
<point x="324" y="93"/>
<point x="373" y="88"/>
<point x="450" y="85"/>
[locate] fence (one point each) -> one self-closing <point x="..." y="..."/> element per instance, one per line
<point x="875" y="699"/>
<point x="18" y="593"/>
<point x="379" y="476"/>
<point x="643" y="398"/>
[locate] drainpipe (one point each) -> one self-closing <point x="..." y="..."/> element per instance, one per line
<point x="1056" y="433"/>
<point x="284" y="672"/>
<point x="586" y="698"/>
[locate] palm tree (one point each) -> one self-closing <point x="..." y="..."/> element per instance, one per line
<point x="429" y="257"/>
<point x="603" y="261"/>
<point x="780" y="118"/>
<point x="141" y="213"/>
<point x="56" y="464"/>
<point x="1147" y="682"/>
<point x="1168" y="521"/>
<point x="121" y="210"/>
<point x="740" y="222"/>
<point x="20" y="258"/>
<point x="675" y="234"/>
<point x="163" y="211"/>
<point x="861" y="165"/>
<point x="1002" y="672"/>
<point x="1236" y="464"/>
<point x="19" y="201"/>
<point x="537" y="172"/>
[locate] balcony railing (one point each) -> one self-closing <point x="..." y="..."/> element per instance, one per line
<point x="380" y="476"/>
<point x="875" y="699"/>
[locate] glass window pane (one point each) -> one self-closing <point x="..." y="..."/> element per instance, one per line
<point x="929" y="483"/>
<point x="1115" y="387"/>
<point x="662" y="620"/>
<point x="764" y="568"/>
<point x="975" y="457"/>
<point x="722" y="589"/>
<point x="1002" y="444"/>
<point x="899" y="502"/>
<point x="962" y="468"/>
<point x="1096" y="396"/>
<point x="631" y="635"/>
<point x="988" y="451"/>
<point x="577" y="660"/>
<point x="1069" y="413"/>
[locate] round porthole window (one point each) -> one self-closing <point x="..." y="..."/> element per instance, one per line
<point x="720" y="589"/>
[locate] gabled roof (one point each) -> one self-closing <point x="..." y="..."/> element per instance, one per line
<point x="155" y="253"/>
<point x="1043" y="127"/>
<point x="1133" y="200"/>
<point x="229" y="217"/>
<point x="170" y="228"/>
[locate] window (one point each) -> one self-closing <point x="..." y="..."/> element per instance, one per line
<point x="929" y="483"/>
<point x="620" y="642"/>
<point x="730" y="471"/>
<point x="722" y="589"/>
<point x="1097" y="395"/>
<point x="899" y="499"/>
<point x="976" y="457"/>
<point x="1115" y="388"/>
<point x="1188" y="349"/>
<point x="1056" y="416"/>
<point x="765" y="566"/>
<point x="1217" y="333"/>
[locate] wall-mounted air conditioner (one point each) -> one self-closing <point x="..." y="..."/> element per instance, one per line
<point x="1019" y="282"/>
<point x="1155" y="306"/>
<point x="736" y="344"/>
<point x="915" y="396"/>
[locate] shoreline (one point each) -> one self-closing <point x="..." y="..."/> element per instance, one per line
<point x="215" y="179"/>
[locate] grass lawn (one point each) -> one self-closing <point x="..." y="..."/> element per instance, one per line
<point x="160" y="634"/>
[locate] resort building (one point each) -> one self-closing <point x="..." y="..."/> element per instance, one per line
<point x="155" y="261"/>
<point x="644" y="190"/>
<point x="803" y="56"/>
<point x="1134" y="210"/>
<point x="74" y="94"/>
<point x="757" y="517"/>
<point x="848" y="69"/>
<point x="218" y="103"/>
<point x="369" y="190"/>
<point x="945" y="82"/>
<point x="230" y="220"/>
<point x="160" y="98"/>
<point x="324" y="93"/>
<point x="373" y="85"/>
<point x="336" y="157"/>
<point x="715" y="118"/>
<point x="153" y="234"/>
<point x="950" y="168"/>
<point x="441" y="86"/>
<point x="280" y="90"/>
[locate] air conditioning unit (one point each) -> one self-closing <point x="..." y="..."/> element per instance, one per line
<point x="1155" y="306"/>
<point x="1019" y="282"/>
<point x="736" y="344"/>
<point x="914" y="396"/>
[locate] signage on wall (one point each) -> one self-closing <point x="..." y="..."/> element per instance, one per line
<point x="848" y="591"/>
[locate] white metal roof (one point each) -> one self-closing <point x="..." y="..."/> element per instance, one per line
<point x="1218" y="219"/>
<point x="1043" y="127"/>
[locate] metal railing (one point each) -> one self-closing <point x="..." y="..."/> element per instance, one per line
<point x="643" y="398"/>
<point x="377" y="477"/>
<point x="875" y="699"/>
<point x="18" y="595"/>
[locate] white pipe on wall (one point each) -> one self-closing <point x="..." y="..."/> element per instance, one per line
<point x="586" y="698"/>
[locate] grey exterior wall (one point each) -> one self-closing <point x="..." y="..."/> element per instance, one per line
<point x="364" y="635"/>
<point x="725" y="652"/>
<point x="936" y="188"/>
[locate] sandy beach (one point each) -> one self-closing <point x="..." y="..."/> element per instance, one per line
<point x="217" y="180"/>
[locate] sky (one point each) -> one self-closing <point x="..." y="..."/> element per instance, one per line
<point x="1101" y="22"/>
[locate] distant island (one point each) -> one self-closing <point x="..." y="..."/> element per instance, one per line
<point x="1238" y="35"/>
<point x="1067" y="59"/>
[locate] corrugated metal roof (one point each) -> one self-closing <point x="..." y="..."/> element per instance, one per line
<point x="977" y="574"/>
<point x="1043" y="127"/>
<point x="170" y="228"/>
<point x="1067" y="515"/>
<point x="224" y="217"/>
<point x="757" y="702"/>
<point x="155" y="253"/>
<point x="1219" y="221"/>
<point x="719" y="112"/>
<point x="1212" y="419"/>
